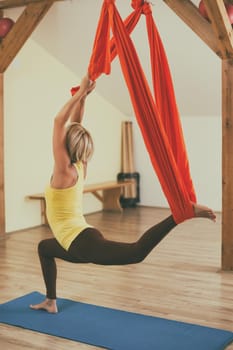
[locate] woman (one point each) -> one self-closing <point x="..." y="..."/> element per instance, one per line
<point x="74" y="240"/>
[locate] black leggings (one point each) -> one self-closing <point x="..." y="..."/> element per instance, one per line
<point x="91" y="247"/>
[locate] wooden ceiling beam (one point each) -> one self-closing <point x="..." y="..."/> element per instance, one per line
<point x="221" y="26"/>
<point x="6" y="4"/>
<point x="190" y="14"/>
<point x="21" y="31"/>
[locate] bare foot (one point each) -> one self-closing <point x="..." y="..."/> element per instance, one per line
<point x="203" y="212"/>
<point x="49" y="305"/>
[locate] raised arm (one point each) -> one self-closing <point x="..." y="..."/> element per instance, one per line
<point x="71" y="111"/>
<point x="78" y="109"/>
<point x="75" y="105"/>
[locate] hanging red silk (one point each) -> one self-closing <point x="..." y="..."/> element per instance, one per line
<point x="157" y="115"/>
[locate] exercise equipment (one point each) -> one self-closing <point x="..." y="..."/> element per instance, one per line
<point x="157" y="115"/>
<point x="5" y="26"/>
<point x="229" y="9"/>
<point x="202" y="9"/>
<point x="203" y="12"/>
<point x="111" y="328"/>
<point x="130" y="195"/>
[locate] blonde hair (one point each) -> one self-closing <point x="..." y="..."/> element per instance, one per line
<point x="79" y="143"/>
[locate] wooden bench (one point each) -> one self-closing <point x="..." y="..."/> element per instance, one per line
<point x="110" y="196"/>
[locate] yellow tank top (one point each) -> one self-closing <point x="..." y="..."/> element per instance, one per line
<point x="65" y="211"/>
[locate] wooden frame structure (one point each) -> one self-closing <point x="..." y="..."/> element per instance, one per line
<point x="217" y="33"/>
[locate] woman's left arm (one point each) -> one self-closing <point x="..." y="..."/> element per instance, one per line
<point x="61" y="158"/>
<point x="77" y="111"/>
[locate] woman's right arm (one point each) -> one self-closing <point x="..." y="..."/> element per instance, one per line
<point x="78" y="110"/>
<point x="61" y="157"/>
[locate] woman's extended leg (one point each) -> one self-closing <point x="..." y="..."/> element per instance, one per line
<point x="91" y="247"/>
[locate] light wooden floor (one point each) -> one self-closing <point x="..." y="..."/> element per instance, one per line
<point x="180" y="280"/>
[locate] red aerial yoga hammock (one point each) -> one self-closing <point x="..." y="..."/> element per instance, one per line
<point x="157" y="116"/>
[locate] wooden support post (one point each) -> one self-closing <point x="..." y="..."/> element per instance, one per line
<point x="227" y="164"/>
<point x="2" y="193"/>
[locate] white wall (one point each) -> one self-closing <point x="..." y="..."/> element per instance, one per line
<point x="203" y="142"/>
<point x="36" y="86"/>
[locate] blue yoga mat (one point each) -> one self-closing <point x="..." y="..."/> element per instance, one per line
<point x="110" y="328"/>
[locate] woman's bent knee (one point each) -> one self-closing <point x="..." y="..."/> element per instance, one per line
<point x="42" y="247"/>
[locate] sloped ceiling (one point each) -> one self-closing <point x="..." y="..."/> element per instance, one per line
<point x="68" y="30"/>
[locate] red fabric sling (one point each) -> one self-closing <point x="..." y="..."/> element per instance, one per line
<point x="130" y="23"/>
<point x="159" y="121"/>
